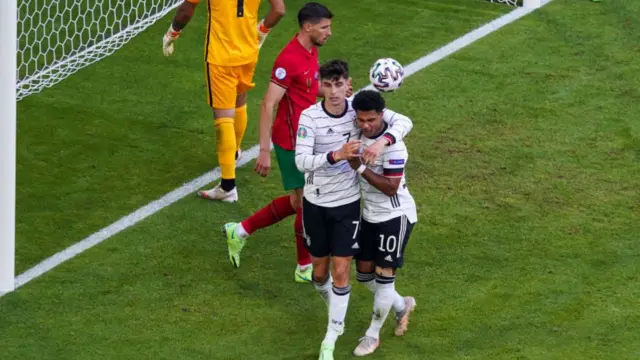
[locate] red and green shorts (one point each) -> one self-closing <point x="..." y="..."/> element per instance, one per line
<point x="292" y="178"/>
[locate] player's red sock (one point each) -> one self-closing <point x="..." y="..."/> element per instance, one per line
<point x="277" y="210"/>
<point x="304" y="258"/>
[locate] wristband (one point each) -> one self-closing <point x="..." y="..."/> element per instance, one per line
<point x="361" y="169"/>
<point x="263" y="29"/>
<point x="173" y="31"/>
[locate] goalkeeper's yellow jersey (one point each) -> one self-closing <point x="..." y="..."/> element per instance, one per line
<point x="232" y="34"/>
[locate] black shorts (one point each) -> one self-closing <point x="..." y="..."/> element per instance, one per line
<point x="331" y="231"/>
<point x="385" y="242"/>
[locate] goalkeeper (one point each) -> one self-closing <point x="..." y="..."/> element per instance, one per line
<point x="234" y="37"/>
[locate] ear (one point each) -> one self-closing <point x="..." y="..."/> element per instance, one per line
<point x="307" y="27"/>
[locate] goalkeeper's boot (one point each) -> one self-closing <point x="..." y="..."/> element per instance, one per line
<point x="402" y="318"/>
<point x="367" y="346"/>
<point x="217" y="193"/>
<point x="234" y="242"/>
<point x="304" y="276"/>
<point x="326" y="351"/>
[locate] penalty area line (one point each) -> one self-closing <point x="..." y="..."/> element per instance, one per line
<point x="248" y="155"/>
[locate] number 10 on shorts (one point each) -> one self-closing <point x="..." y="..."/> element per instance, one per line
<point x="389" y="245"/>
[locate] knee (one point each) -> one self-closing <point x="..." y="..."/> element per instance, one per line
<point x="295" y="200"/>
<point x="365" y="266"/>
<point x="320" y="269"/>
<point x="222" y="116"/>
<point x="341" y="267"/>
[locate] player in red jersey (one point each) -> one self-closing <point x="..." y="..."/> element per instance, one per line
<point x="293" y="87"/>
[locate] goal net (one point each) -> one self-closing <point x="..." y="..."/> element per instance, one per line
<point x="58" y="37"/>
<point x="508" y="2"/>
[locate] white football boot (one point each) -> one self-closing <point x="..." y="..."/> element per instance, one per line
<point x="367" y="346"/>
<point x="217" y="193"/>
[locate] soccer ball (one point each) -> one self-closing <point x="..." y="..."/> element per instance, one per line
<point x="386" y="74"/>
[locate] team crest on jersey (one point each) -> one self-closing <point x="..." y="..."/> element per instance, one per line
<point x="281" y="73"/>
<point x="396" y="161"/>
<point x="302" y="132"/>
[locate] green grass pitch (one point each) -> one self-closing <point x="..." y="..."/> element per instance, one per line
<point x="524" y="162"/>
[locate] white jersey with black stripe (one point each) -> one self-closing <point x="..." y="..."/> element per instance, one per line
<point x="328" y="183"/>
<point x="379" y="207"/>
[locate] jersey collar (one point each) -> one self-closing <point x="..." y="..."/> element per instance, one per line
<point x="301" y="48"/>
<point x="346" y="108"/>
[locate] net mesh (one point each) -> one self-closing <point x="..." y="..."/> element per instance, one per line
<point x="508" y="2"/>
<point x="58" y="37"/>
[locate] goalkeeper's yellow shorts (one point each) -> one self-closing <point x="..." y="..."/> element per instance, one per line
<point x="225" y="83"/>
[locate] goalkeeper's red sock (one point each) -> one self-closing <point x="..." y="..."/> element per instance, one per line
<point x="277" y="210"/>
<point x="304" y="258"/>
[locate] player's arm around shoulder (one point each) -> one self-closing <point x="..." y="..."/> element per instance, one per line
<point x="399" y="126"/>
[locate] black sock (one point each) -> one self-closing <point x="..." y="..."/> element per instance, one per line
<point x="228" y="184"/>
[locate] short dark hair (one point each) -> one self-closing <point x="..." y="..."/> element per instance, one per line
<point x="334" y="70"/>
<point x="313" y="12"/>
<point x="367" y="100"/>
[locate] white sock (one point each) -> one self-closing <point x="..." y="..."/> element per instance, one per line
<point x="398" y="303"/>
<point x="337" y="312"/>
<point x="382" y="302"/>
<point x="241" y="232"/>
<point x="324" y="289"/>
<point x="367" y="279"/>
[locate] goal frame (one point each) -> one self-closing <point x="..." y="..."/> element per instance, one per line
<point x="8" y="76"/>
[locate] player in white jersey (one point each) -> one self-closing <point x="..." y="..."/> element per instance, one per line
<point x="388" y="218"/>
<point x="326" y="138"/>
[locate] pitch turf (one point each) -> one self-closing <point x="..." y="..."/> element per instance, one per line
<point x="523" y="160"/>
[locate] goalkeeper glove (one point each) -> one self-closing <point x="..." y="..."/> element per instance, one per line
<point x="168" y="39"/>
<point x="263" y="31"/>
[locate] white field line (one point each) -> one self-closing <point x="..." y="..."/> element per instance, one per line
<point x="248" y="155"/>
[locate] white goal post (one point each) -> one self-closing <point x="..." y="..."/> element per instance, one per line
<point x="8" y="45"/>
<point x="58" y="37"/>
<point x="41" y="43"/>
